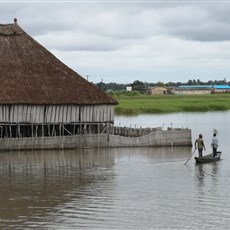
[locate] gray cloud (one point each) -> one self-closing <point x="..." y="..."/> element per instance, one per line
<point x="199" y="22"/>
<point x="131" y="38"/>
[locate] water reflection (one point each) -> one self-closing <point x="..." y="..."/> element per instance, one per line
<point x="35" y="184"/>
<point x="117" y="188"/>
<point x="207" y="179"/>
<point x="155" y="155"/>
<point x="206" y="170"/>
<point x="32" y="183"/>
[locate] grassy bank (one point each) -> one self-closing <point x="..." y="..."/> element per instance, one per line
<point x="131" y="105"/>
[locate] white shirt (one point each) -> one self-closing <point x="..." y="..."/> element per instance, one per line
<point x="214" y="142"/>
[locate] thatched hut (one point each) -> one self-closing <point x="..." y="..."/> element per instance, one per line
<point x="41" y="96"/>
<point x="45" y="104"/>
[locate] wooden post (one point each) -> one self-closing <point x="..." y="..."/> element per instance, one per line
<point x="1" y="130"/>
<point x="60" y="129"/>
<point x="53" y="130"/>
<point x="48" y="131"/>
<point x="18" y="127"/>
<point x="74" y="129"/>
<point x="10" y="131"/>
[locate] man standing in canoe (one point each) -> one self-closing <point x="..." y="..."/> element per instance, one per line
<point x="199" y="144"/>
<point x="214" y="145"/>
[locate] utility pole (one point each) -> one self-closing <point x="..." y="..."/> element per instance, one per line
<point x="87" y="77"/>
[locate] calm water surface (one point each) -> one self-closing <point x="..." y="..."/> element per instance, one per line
<point x="120" y="188"/>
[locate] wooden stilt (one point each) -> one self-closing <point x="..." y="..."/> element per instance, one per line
<point x="10" y="131"/>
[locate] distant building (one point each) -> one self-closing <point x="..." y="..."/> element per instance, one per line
<point x="129" y="88"/>
<point x="220" y="89"/>
<point x="200" y="89"/>
<point x="192" y="89"/>
<point x="157" y="90"/>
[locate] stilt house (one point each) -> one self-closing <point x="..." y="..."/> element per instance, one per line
<point x="42" y="97"/>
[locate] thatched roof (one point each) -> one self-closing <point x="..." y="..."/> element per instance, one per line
<point x="30" y="74"/>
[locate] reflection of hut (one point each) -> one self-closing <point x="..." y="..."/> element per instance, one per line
<point x="41" y="96"/>
<point x="33" y="183"/>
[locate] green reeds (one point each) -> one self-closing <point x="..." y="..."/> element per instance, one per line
<point x="132" y="105"/>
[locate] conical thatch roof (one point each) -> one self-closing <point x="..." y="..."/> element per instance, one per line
<point x="30" y="74"/>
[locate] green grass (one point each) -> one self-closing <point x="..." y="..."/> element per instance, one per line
<point x="132" y="105"/>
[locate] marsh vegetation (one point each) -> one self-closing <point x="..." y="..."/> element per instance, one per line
<point x="139" y="104"/>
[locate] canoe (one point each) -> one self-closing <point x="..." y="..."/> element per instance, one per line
<point x="208" y="158"/>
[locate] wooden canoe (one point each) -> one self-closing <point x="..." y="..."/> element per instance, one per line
<point x="208" y="158"/>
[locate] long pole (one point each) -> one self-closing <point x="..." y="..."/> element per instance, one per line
<point x="190" y="157"/>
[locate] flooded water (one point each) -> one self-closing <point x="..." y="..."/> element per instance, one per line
<point x="120" y="188"/>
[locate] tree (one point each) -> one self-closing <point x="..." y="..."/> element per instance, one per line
<point x="138" y="86"/>
<point x="190" y="82"/>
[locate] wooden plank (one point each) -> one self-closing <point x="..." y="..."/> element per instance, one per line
<point x="40" y="110"/>
<point x="68" y="113"/>
<point x="56" y="114"/>
<point x="49" y="114"/>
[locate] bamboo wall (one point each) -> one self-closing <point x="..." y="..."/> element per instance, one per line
<point x="157" y="138"/>
<point x="71" y="126"/>
<point x="37" y="114"/>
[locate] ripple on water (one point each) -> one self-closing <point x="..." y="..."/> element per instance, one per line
<point x="98" y="189"/>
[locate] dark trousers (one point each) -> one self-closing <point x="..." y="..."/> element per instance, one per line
<point x="200" y="152"/>
<point x="214" y="151"/>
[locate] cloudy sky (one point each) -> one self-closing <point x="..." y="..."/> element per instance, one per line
<point x="124" y="41"/>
